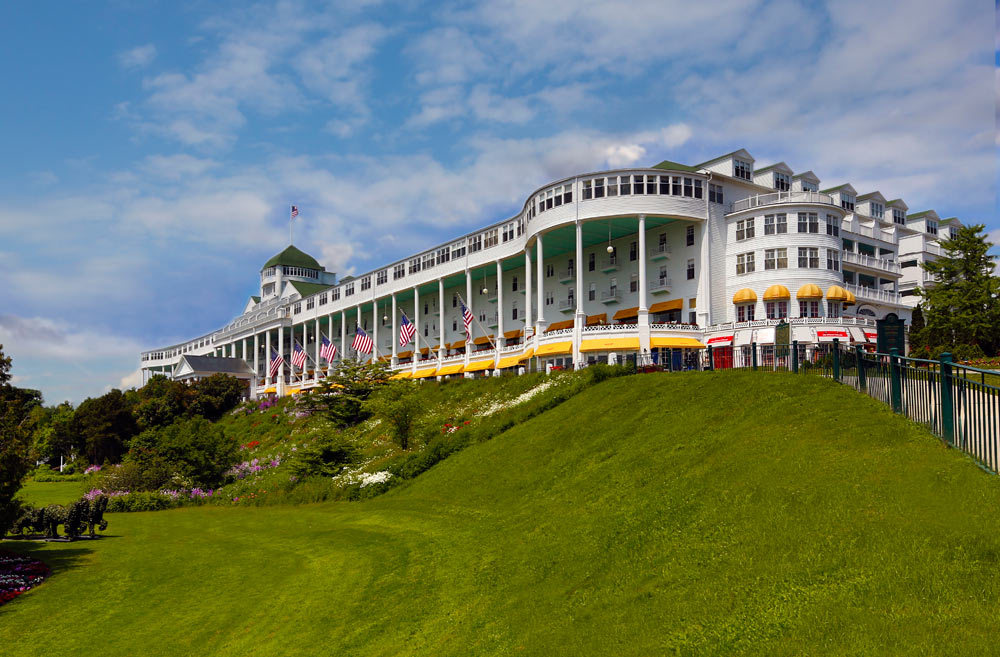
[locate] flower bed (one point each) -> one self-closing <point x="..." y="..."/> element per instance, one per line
<point x="19" y="574"/>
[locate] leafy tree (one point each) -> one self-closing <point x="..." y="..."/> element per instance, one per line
<point x="963" y="307"/>
<point x="326" y="457"/>
<point x="397" y="404"/>
<point x="104" y="425"/>
<point x="53" y="433"/>
<point x="216" y="395"/>
<point x="15" y="440"/>
<point x="341" y="394"/>
<point x="195" y="448"/>
<point x="161" y="401"/>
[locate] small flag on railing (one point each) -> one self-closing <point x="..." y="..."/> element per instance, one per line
<point x="363" y="343"/>
<point x="299" y="356"/>
<point x="275" y="363"/>
<point x="406" y="331"/>
<point x="328" y="350"/>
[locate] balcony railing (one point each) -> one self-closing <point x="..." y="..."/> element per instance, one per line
<point x="568" y="275"/>
<point x="781" y="197"/>
<point x="611" y="296"/>
<point x="659" y="252"/>
<point x="871" y="262"/>
<point x="659" y="285"/>
<point x="492" y="320"/>
<point x="609" y="264"/>
<point x="567" y="305"/>
<point x="874" y="294"/>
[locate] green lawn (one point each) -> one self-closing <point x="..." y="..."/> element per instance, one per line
<point x="696" y="514"/>
<point x="56" y="492"/>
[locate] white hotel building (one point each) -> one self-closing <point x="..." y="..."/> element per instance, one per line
<point x="654" y="262"/>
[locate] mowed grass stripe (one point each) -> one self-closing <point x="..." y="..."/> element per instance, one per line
<point x="688" y="514"/>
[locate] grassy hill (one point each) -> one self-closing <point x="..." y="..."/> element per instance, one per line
<point x="695" y="514"/>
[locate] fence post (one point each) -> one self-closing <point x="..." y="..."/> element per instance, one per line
<point x="711" y="365"/>
<point x="860" y="355"/>
<point x="896" y="388"/>
<point x="947" y="400"/>
<point x="753" y="355"/>
<point x="836" y="360"/>
<point x="795" y="356"/>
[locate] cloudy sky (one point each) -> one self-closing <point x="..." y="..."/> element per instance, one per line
<point x="149" y="151"/>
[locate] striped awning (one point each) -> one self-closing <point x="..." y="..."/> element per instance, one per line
<point x="664" y="306"/>
<point x="610" y="344"/>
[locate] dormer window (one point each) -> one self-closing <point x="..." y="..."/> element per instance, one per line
<point x="877" y="210"/>
<point x="847" y="202"/>
<point x="742" y="169"/>
<point x="932" y="227"/>
<point x="898" y="216"/>
<point x="782" y="182"/>
<point x="809" y="187"/>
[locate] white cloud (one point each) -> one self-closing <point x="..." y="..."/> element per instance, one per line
<point x="175" y="167"/>
<point x="139" y="57"/>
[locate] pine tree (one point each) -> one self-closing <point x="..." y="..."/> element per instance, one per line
<point x="918" y="342"/>
<point x="963" y="306"/>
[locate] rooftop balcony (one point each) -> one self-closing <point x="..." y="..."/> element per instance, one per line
<point x="874" y="295"/>
<point x="880" y="265"/>
<point x="775" y="198"/>
<point x="924" y="279"/>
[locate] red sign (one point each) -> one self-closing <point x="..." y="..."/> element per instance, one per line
<point x="720" y="339"/>
<point x="831" y="334"/>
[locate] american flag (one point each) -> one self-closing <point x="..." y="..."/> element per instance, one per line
<point x="299" y="356"/>
<point x="275" y="363"/>
<point x="362" y="341"/>
<point x="295" y="211"/>
<point x="467" y="319"/>
<point x="406" y="331"/>
<point x="328" y="350"/>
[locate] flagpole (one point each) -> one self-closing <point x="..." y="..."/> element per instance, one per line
<point x="476" y="320"/>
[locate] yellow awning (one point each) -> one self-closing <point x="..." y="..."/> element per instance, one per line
<point x="555" y="348"/>
<point x="809" y="291"/>
<point x="457" y="345"/>
<point x="454" y="368"/>
<point x="836" y="293"/>
<point x="664" y="306"/>
<point x="270" y="390"/>
<point x="480" y="365"/>
<point x="405" y="374"/>
<point x="483" y="339"/>
<point x="625" y="313"/>
<point x="557" y="326"/>
<point x="511" y="361"/>
<point x="423" y="374"/>
<point x="746" y="295"/>
<point x="851" y="299"/>
<point x="404" y="354"/>
<point x="425" y="351"/>
<point x="513" y="334"/>
<point x="676" y="343"/>
<point x="777" y="293"/>
<point x="291" y="391"/>
<point x="594" y="320"/>
<point x="610" y="344"/>
<point x="385" y="359"/>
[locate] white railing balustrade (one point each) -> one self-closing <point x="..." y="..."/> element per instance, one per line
<point x="862" y="260"/>
<point x="567" y="304"/>
<point x="660" y="284"/>
<point x="677" y="326"/>
<point x="614" y="328"/>
<point x="610" y="296"/>
<point x="781" y="197"/>
<point x="660" y="251"/>
<point x="607" y="264"/>
<point x="874" y="294"/>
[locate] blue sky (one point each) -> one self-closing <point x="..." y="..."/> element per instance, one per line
<point x="149" y="151"/>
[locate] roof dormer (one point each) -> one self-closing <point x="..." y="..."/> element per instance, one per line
<point x="871" y="204"/>
<point x="843" y="195"/>
<point x="738" y="164"/>
<point x="896" y="210"/>
<point x="805" y="182"/>
<point x="776" y="176"/>
<point x="925" y="220"/>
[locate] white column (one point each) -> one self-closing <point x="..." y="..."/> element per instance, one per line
<point x="441" y="350"/>
<point x="376" y="320"/>
<point x="343" y="334"/>
<point x="267" y="358"/>
<point x="541" y="284"/>
<point x="643" y="318"/>
<point x="468" y="304"/>
<point x="527" y="289"/>
<point x="416" y="327"/>
<point x="395" y="332"/>
<point x="580" y="318"/>
<point x="357" y="325"/>
<point x="281" y="370"/>
<point x="318" y="340"/>
<point x="256" y="355"/>
<point x="500" y="326"/>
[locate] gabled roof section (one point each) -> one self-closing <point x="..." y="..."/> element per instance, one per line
<point x="846" y="187"/>
<point x="951" y="221"/>
<point x="190" y="364"/>
<point x="872" y="196"/>
<point x="674" y="166"/>
<point x="924" y="214"/>
<point x="780" y="167"/>
<point x="308" y="289"/>
<point x="897" y="203"/>
<point x="251" y="303"/>
<point x="293" y="257"/>
<point x="806" y="175"/>
<point x="742" y="154"/>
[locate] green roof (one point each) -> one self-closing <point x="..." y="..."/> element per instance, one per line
<point x="256" y="299"/>
<point x="894" y="201"/>
<point x="917" y="215"/>
<point x="674" y="166"/>
<point x="293" y="258"/>
<point x="772" y="166"/>
<point x="722" y="157"/>
<point x="308" y="289"/>
<point x="833" y="189"/>
<point x="869" y="195"/>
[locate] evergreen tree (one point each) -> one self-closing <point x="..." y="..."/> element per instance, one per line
<point x="15" y="409"/>
<point x="105" y="425"/>
<point x="963" y="306"/>
<point x="918" y="345"/>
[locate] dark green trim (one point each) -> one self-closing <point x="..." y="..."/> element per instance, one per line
<point x="674" y="166"/>
<point x="308" y="289"/>
<point x="293" y="257"/>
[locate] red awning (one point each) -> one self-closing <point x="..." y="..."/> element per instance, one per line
<point x="720" y="340"/>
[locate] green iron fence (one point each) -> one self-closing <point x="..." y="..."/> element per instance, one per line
<point x="959" y="403"/>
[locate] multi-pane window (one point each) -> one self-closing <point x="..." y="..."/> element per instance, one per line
<point x="664" y="184"/>
<point x="322" y="298"/>
<point x="808" y="257"/>
<point x="349" y="289"/>
<point x="612" y="187"/>
<point x="550" y="271"/>
<point x="689" y="236"/>
<point x="633" y="251"/>
<point x="744" y="229"/>
<point x="932" y="227"/>
<point x="697" y="189"/>
<point x="775" y="223"/>
<point x="832" y="225"/>
<point x="564" y="194"/>
<point x="808" y="222"/>
<point x="782" y="182"/>
<point x="809" y="186"/>
<point x="588" y="190"/>
<point x="640" y="186"/>
<point x="833" y="309"/>
<point x="297" y="308"/>
<point x="877" y="210"/>
<point x="454" y="300"/>
<point x="513" y="284"/>
<point x="847" y="202"/>
<point x="775" y="258"/>
<point x="508" y="232"/>
<point x="676" y="185"/>
<point x="625" y="185"/>
<point x="310" y="303"/>
<point x="491" y="238"/>
<point x="366" y="283"/>
<point x="592" y="292"/>
<point x="475" y="243"/>
<point x="744" y="263"/>
<point x="398" y="271"/>
<point x="742" y="169"/>
<point x="599" y="188"/>
<point x="414" y="265"/>
<point x="745" y="312"/>
<point x="689" y="187"/>
<point x="458" y="251"/>
<point x="690" y="269"/>
<point x="898" y="216"/>
<point x="335" y="294"/>
<point x="650" y="184"/>
<point x="382" y="277"/>
<point x="428" y="261"/>
<point x="591" y="262"/>
<point x="808" y="308"/>
<point x="633" y="283"/>
<point x="776" y="309"/>
<point x="833" y="259"/>
<point x="714" y="193"/>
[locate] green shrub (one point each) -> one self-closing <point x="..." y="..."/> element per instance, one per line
<point x="397" y="404"/>
<point x="195" y="449"/>
<point x="139" y="501"/>
<point x="327" y="456"/>
<point x="46" y="474"/>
